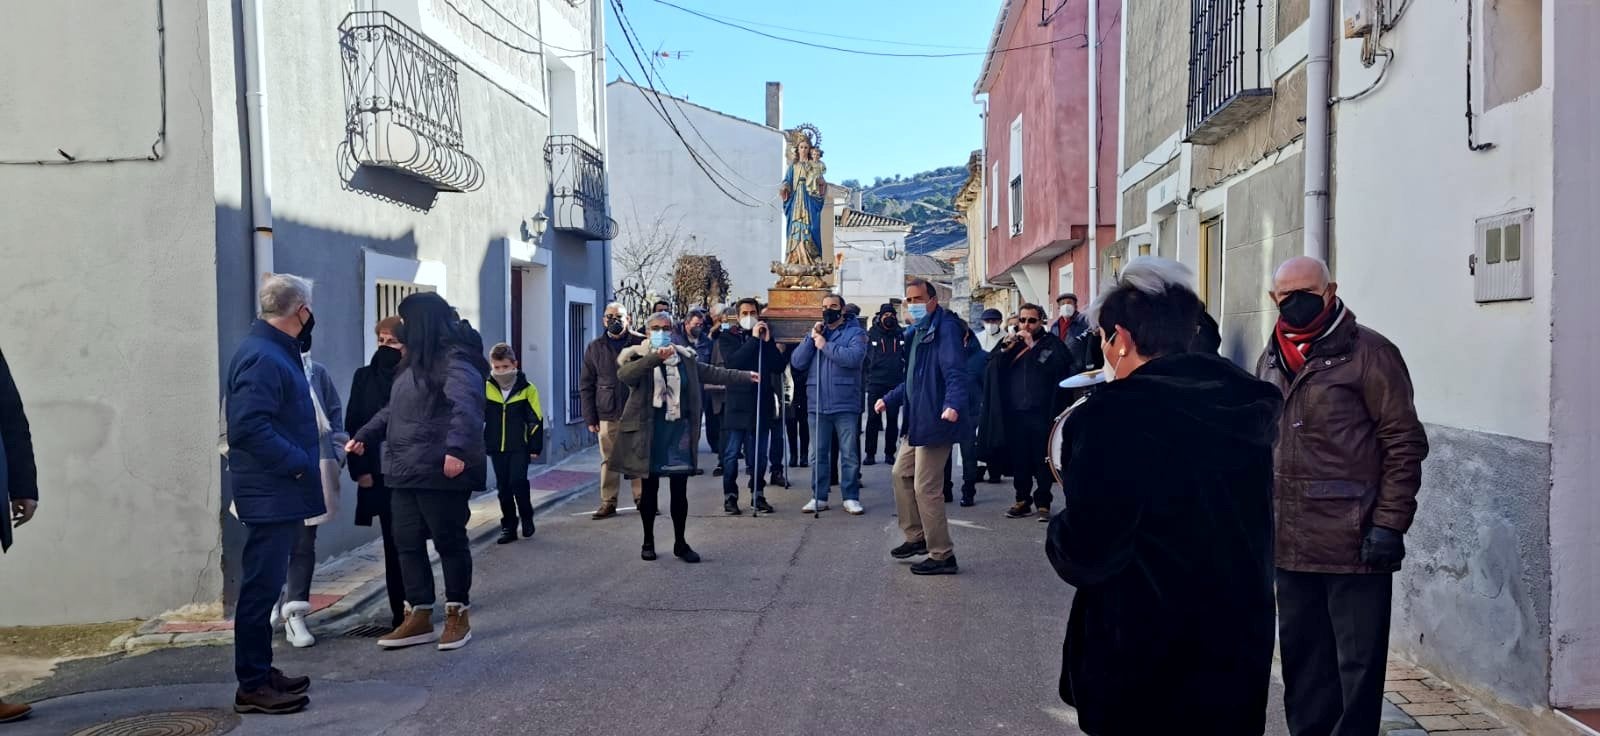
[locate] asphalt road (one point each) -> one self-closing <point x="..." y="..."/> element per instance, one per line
<point x="790" y="626"/>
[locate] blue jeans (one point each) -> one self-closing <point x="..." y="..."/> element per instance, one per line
<point x="755" y="453"/>
<point x="263" y="570"/>
<point x="827" y="431"/>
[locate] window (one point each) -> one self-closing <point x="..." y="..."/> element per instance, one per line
<point x="1064" y="281"/>
<point x="1513" y="34"/>
<point x="1015" y="186"/>
<point x="1502" y="264"/>
<point x="388" y="295"/>
<point x="578" y="321"/>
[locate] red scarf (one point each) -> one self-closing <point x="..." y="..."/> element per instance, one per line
<point x="1294" y="343"/>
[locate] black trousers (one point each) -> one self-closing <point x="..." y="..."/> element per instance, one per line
<point x="887" y="422"/>
<point x="714" y="432"/>
<point x="1333" y="631"/>
<point x="971" y="471"/>
<point x="264" y="566"/>
<point x="678" y="486"/>
<point x="511" y="479"/>
<point x="394" y="582"/>
<point x="775" y="445"/>
<point x="443" y="514"/>
<point x="798" y="429"/>
<point x="1028" y="443"/>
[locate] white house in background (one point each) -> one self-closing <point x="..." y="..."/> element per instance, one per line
<point x="874" y="249"/>
<point x="1471" y="245"/>
<point x="662" y="198"/>
<point x="407" y="146"/>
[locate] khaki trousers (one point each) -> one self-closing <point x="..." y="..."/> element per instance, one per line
<point x="609" y="478"/>
<point x="919" y="497"/>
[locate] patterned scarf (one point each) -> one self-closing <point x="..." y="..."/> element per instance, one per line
<point x="668" y="389"/>
<point x="1294" y="343"/>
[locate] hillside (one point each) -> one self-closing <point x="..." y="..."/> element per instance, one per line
<point x="918" y="199"/>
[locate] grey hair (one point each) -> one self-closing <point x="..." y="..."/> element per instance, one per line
<point x="660" y="317"/>
<point x="617" y="306"/>
<point x="282" y="294"/>
<point x="1148" y="274"/>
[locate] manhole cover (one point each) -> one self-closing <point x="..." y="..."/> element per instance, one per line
<point x="178" y="723"/>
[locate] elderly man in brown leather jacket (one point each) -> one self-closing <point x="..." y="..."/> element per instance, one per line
<point x="1348" y="463"/>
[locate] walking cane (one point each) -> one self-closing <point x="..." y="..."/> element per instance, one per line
<point x="755" y="462"/>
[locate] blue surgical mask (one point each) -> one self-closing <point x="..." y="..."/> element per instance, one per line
<point x="660" y="339"/>
<point x="727" y="326"/>
<point x="917" y="311"/>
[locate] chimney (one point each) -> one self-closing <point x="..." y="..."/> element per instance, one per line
<point x="775" y="105"/>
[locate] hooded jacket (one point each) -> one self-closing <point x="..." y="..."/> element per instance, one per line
<point x="513" y="421"/>
<point x="429" y="417"/>
<point x="1166" y="532"/>
<point x="886" y="356"/>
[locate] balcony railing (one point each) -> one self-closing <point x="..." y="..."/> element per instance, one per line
<point x="1228" y="83"/>
<point x="402" y="104"/>
<point x="578" y="185"/>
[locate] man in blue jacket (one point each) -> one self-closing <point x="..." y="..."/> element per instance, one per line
<point x="934" y="395"/>
<point x="277" y="484"/>
<point x="832" y="356"/>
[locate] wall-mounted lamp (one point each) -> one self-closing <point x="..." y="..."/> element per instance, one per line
<point x="538" y="224"/>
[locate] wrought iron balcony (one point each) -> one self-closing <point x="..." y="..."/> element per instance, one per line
<point x="1228" y="82"/>
<point x="578" y="183"/>
<point x="402" y="104"/>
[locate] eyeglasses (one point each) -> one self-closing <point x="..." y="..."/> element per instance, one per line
<point x="659" y="328"/>
<point x="1029" y="320"/>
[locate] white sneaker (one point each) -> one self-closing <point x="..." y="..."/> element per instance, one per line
<point x="276" y="617"/>
<point x="853" y="508"/>
<point x="813" y="506"/>
<point x="294" y="625"/>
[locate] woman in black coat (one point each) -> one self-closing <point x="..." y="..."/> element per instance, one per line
<point x="369" y="394"/>
<point x="433" y="460"/>
<point x="1166" y="530"/>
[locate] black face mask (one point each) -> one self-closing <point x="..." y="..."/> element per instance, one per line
<point x="386" y="359"/>
<point x="830" y="316"/>
<point x="614" y="327"/>
<point x="1300" y="308"/>
<point x="305" y="332"/>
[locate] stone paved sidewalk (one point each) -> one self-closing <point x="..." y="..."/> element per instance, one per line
<point x="343" y="585"/>
<point x="1432" y="706"/>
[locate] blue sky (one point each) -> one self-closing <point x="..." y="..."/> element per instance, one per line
<point x="879" y="116"/>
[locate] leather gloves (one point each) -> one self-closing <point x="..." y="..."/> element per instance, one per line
<point x="1383" y="548"/>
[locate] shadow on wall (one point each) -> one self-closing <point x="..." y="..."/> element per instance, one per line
<point x="334" y="261"/>
<point x="384" y="184"/>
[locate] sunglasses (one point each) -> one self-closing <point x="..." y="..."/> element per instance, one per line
<point x="1029" y="320"/>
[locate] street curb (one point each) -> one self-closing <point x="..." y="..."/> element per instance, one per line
<point x="348" y="612"/>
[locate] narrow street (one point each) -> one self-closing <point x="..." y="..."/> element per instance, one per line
<point x="790" y="626"/>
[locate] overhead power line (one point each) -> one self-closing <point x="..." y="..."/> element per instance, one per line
<point x="866" y="52"/>
<point x="825" y="34"/>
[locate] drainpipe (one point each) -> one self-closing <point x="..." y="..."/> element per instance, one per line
<point x="255" y="105"/>
<point x="1319" y="65"/>
<point x="1094" y="148"/>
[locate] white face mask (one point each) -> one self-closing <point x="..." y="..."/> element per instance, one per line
<point x="1110" y="369"/>
<point x="748" y="322"/>
<point x="992" y="328"/>
<point x="1067" y="310"/>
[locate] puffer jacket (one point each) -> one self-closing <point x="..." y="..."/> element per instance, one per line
<point x="273" y="443"/>
<point x="1349" y="451"/>
<point x="430" y="417"/>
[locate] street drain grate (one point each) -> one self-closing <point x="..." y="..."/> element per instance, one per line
<point x="366" y="631"/>
<point x="177" y="723"/>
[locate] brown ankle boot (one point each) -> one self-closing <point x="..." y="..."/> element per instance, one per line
<point x="13" y="711"/>
<point x="416" y="629"/>
<point x="606" y="511"/>
<point x="457" y="630"/>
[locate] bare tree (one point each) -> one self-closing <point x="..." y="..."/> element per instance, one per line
<point x="643" y="260"/>
<point x="699" y="281"/>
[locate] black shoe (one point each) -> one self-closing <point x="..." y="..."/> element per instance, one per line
<point x="764" y="507"/>
<point x="291" y="685"/>
<point x="648" y="553"/>
<point x="930" y="566"/>
<point x="268" y="700"/>
<point x="779" y="479"/>
<point x="994" y="478"/>
<point x="731" y="507"/>
<point x="888" y="459"/>
<point x="717" y="473"/>
<point x="868" y="460"/>
<point x="527" y="527"/>
<point x="507" y="536"/>
<point x="910" y="549"/>
<point x="949" y="495"/>
<point x="682" y="552"/>
<point x="966" y="500"/>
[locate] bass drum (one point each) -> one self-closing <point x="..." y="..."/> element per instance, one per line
<point x="1057" y="435"/>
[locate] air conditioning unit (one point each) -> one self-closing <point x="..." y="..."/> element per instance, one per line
<point x="1359" y="17"/>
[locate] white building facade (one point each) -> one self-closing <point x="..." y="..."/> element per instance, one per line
<point x="402" y="145"/>
<point x="873" y="267"/>
<point x="663" y="198"/>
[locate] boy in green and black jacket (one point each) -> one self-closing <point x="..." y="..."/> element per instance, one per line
<point x="513" y="431"/>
